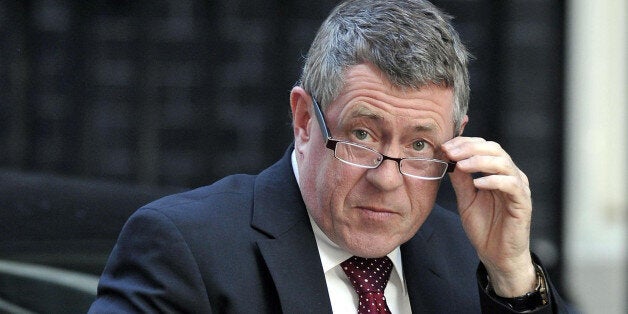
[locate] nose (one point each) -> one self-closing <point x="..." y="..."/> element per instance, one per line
<point x="387" y="176"/>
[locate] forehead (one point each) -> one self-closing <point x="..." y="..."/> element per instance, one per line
<point x="368" y="94"/>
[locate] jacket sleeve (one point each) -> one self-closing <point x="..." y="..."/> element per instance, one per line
<point x="151" y="270"/>
<point x="491" y="305"/>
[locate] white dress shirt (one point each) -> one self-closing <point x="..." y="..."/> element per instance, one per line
<point x="343" y="297"/>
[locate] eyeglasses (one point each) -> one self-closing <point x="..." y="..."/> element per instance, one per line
<point x="365" y="157"/>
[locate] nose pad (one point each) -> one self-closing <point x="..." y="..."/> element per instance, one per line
<point x="387" y="176"/>
<point x="377" y="161"/>
<point x="397" y="161"/>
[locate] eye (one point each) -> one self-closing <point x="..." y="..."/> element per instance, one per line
<point x="419" y="145"/>
<point x="360" y="134"/>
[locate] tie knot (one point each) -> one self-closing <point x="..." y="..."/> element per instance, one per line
<point x="368" y="274"/>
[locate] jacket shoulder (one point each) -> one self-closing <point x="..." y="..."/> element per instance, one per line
<point x="230" y="192"/>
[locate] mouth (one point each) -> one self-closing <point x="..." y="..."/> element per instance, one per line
<point x="376" y="213"/>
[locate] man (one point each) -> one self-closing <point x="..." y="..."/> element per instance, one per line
<point x="378" y="119"/>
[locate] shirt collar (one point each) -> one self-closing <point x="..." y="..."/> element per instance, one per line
<point x="331" y="254"/>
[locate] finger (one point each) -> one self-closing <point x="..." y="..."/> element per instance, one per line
<point x="517" y="190"/>
<point x="507" y="184"/>
<point x="525" y="179"/>
<point x="489" y="165"/>
<point x="461" y="149"/>
<point x="464" y="188"/>
<point x="460" y="140"/>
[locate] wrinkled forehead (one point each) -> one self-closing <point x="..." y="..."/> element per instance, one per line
<point x="369" y="98"/>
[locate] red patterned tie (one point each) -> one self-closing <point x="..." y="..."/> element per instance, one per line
<point x="369" y="277"/>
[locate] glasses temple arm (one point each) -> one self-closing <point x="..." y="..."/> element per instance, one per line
<point x="451" y="166"/>
<point x="321" y="120"/>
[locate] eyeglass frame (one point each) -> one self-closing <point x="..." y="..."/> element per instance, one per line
<point x="331" y="143"/>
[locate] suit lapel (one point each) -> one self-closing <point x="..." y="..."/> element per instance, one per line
<point x="298" y="275"/>
<point x="428" y="289"/>
<point x="290" y="252"/>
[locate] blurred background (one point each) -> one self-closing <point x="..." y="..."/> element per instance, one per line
<point x="106" y="105"/>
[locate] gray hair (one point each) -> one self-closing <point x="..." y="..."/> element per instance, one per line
<point x="411" y="41"/>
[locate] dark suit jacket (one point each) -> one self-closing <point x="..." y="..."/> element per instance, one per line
<point x="245" y="245"/>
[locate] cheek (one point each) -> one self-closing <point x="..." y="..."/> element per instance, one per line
<point x="317" y="177"/>
<point x="422" y="197"/>
<point x="334" y="182"/>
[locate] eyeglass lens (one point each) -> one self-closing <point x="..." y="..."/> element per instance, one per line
<point x="360" y="156"/>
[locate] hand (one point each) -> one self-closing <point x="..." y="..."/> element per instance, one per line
<point x="496" y="212"/>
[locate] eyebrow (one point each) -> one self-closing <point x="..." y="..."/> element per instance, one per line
<point x="425" y="128"/>
<point x="364" y="112"/>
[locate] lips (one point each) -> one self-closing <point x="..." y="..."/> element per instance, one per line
<point x="377" y="209"/>
<point x="376" y="212"/>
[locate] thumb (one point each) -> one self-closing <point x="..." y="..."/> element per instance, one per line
<point x="464" y="188"/>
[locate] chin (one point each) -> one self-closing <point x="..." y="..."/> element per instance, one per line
<point x="373" y="253"/>
<point x="370" y="247"/>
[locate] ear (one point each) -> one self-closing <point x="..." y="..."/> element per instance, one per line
<point x="300" y="103"/>
<point x="464" y="122"/>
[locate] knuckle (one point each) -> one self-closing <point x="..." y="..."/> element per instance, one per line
<point x="494" y="145"/>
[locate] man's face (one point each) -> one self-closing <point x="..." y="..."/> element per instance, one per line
<point x="369" y="212"/>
